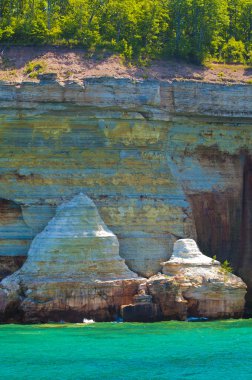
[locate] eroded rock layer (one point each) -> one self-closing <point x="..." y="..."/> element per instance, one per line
<point x="73" y="270"/>
<point x="209" y="289"/>
<point x="161" y="161"/>
<point x="192" y="285"/>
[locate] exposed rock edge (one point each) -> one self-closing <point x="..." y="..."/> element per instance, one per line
<point x="74" y="271"/>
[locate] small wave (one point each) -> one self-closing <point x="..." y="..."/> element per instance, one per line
<point x="88" y="321"/>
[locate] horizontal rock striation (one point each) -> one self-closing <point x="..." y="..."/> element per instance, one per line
<point x="161" y="161"/>
<point x="209" y="289"/>
<point x="73" y="270"/>
<point x="192" y="285"/>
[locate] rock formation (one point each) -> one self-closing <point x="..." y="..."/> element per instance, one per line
<point x="208" y="289"/>
<point x="187" y="258"/>
<point x="142" y="309"/>
<point x="161" y="160"/>
<point x="192" y="284"/>
<point x="73" y="270"/>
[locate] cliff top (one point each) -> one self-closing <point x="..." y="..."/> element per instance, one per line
<point x="25" y="63"/>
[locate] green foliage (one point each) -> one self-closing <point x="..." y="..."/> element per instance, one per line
<point x="137" y="29"/>
<point x="234" y="51"/>
<point x="226" y="267"/>
<point x="33" y="69"/>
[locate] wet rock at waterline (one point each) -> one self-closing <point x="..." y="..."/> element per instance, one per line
<point x="74" y="271"/>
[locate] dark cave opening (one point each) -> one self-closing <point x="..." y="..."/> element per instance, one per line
<point x="223" y="223"/>
<point x="218" y="219"/>
<point x="245" y="255"/>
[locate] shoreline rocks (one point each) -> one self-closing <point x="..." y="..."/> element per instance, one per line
<point x="192" y="284"/>
<point x="74" y="271"/>
<point x="208" y="289"/>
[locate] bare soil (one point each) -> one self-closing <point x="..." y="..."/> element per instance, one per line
<point x="77" y="64"/>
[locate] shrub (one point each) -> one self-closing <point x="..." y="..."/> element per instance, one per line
<point x="34" y="68"/>
<point x="234" y="51"/>
<point x="226" y="267"/>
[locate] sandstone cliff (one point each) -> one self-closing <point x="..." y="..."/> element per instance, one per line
<point x="192" y="284"/>
<point x="161" y="161"/>
<point x="73" y="270"/>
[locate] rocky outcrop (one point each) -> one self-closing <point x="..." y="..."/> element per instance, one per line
<point x="73" y="270"/>
<point x="187" y="258"/>
<point x="192" y="284"/>
<point x="161" y="161"/>
<point x="142" y="309"/>
<point x="208" y="289"/>
<point x="76" y="244"/>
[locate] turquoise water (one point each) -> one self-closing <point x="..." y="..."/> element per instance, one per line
<point x="167" y="350"/>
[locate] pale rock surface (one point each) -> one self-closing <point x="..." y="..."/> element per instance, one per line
<point x="76" y="244"/>
<point x="187" y="254"/>
<point x="208" y="289"/>
<point x="73" y="270"/>
<point x="192" y="284"/>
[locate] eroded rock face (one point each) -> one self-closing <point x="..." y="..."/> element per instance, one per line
<point x="186" y="254"/>
<point x="143" y="309"/>
<point x="162" y="161"/>
<point x="192" y="284"/>
<point x="73" y="270"/>
<point x="210" y="291"/>
<point x="76" y="244"/>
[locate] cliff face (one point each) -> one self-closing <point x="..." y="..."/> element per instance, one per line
<point x="161" y="161"/>
<point x="73" y="269"/>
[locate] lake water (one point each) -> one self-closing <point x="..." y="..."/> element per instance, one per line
<point x="168" y="350"/>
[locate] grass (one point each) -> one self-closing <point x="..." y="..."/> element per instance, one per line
<point x="34" y="68"/>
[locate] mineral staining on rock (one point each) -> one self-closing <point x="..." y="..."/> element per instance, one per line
<point x="192" y="284"/>
<point x="159" y="159"/>
<point x="15" y="237"/>
<point x="73" y="269"/>
<point x="209" y="290"/>
<point x="76" y="244"/>
<point x="142" y="309"/>
<point x="162" y="161"/>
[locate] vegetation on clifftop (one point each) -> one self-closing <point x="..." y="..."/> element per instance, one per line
<point x="138" y="29"/>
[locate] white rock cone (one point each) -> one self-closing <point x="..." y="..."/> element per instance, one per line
<point x="75" y="245"/>
<point x="187" y="253"/>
